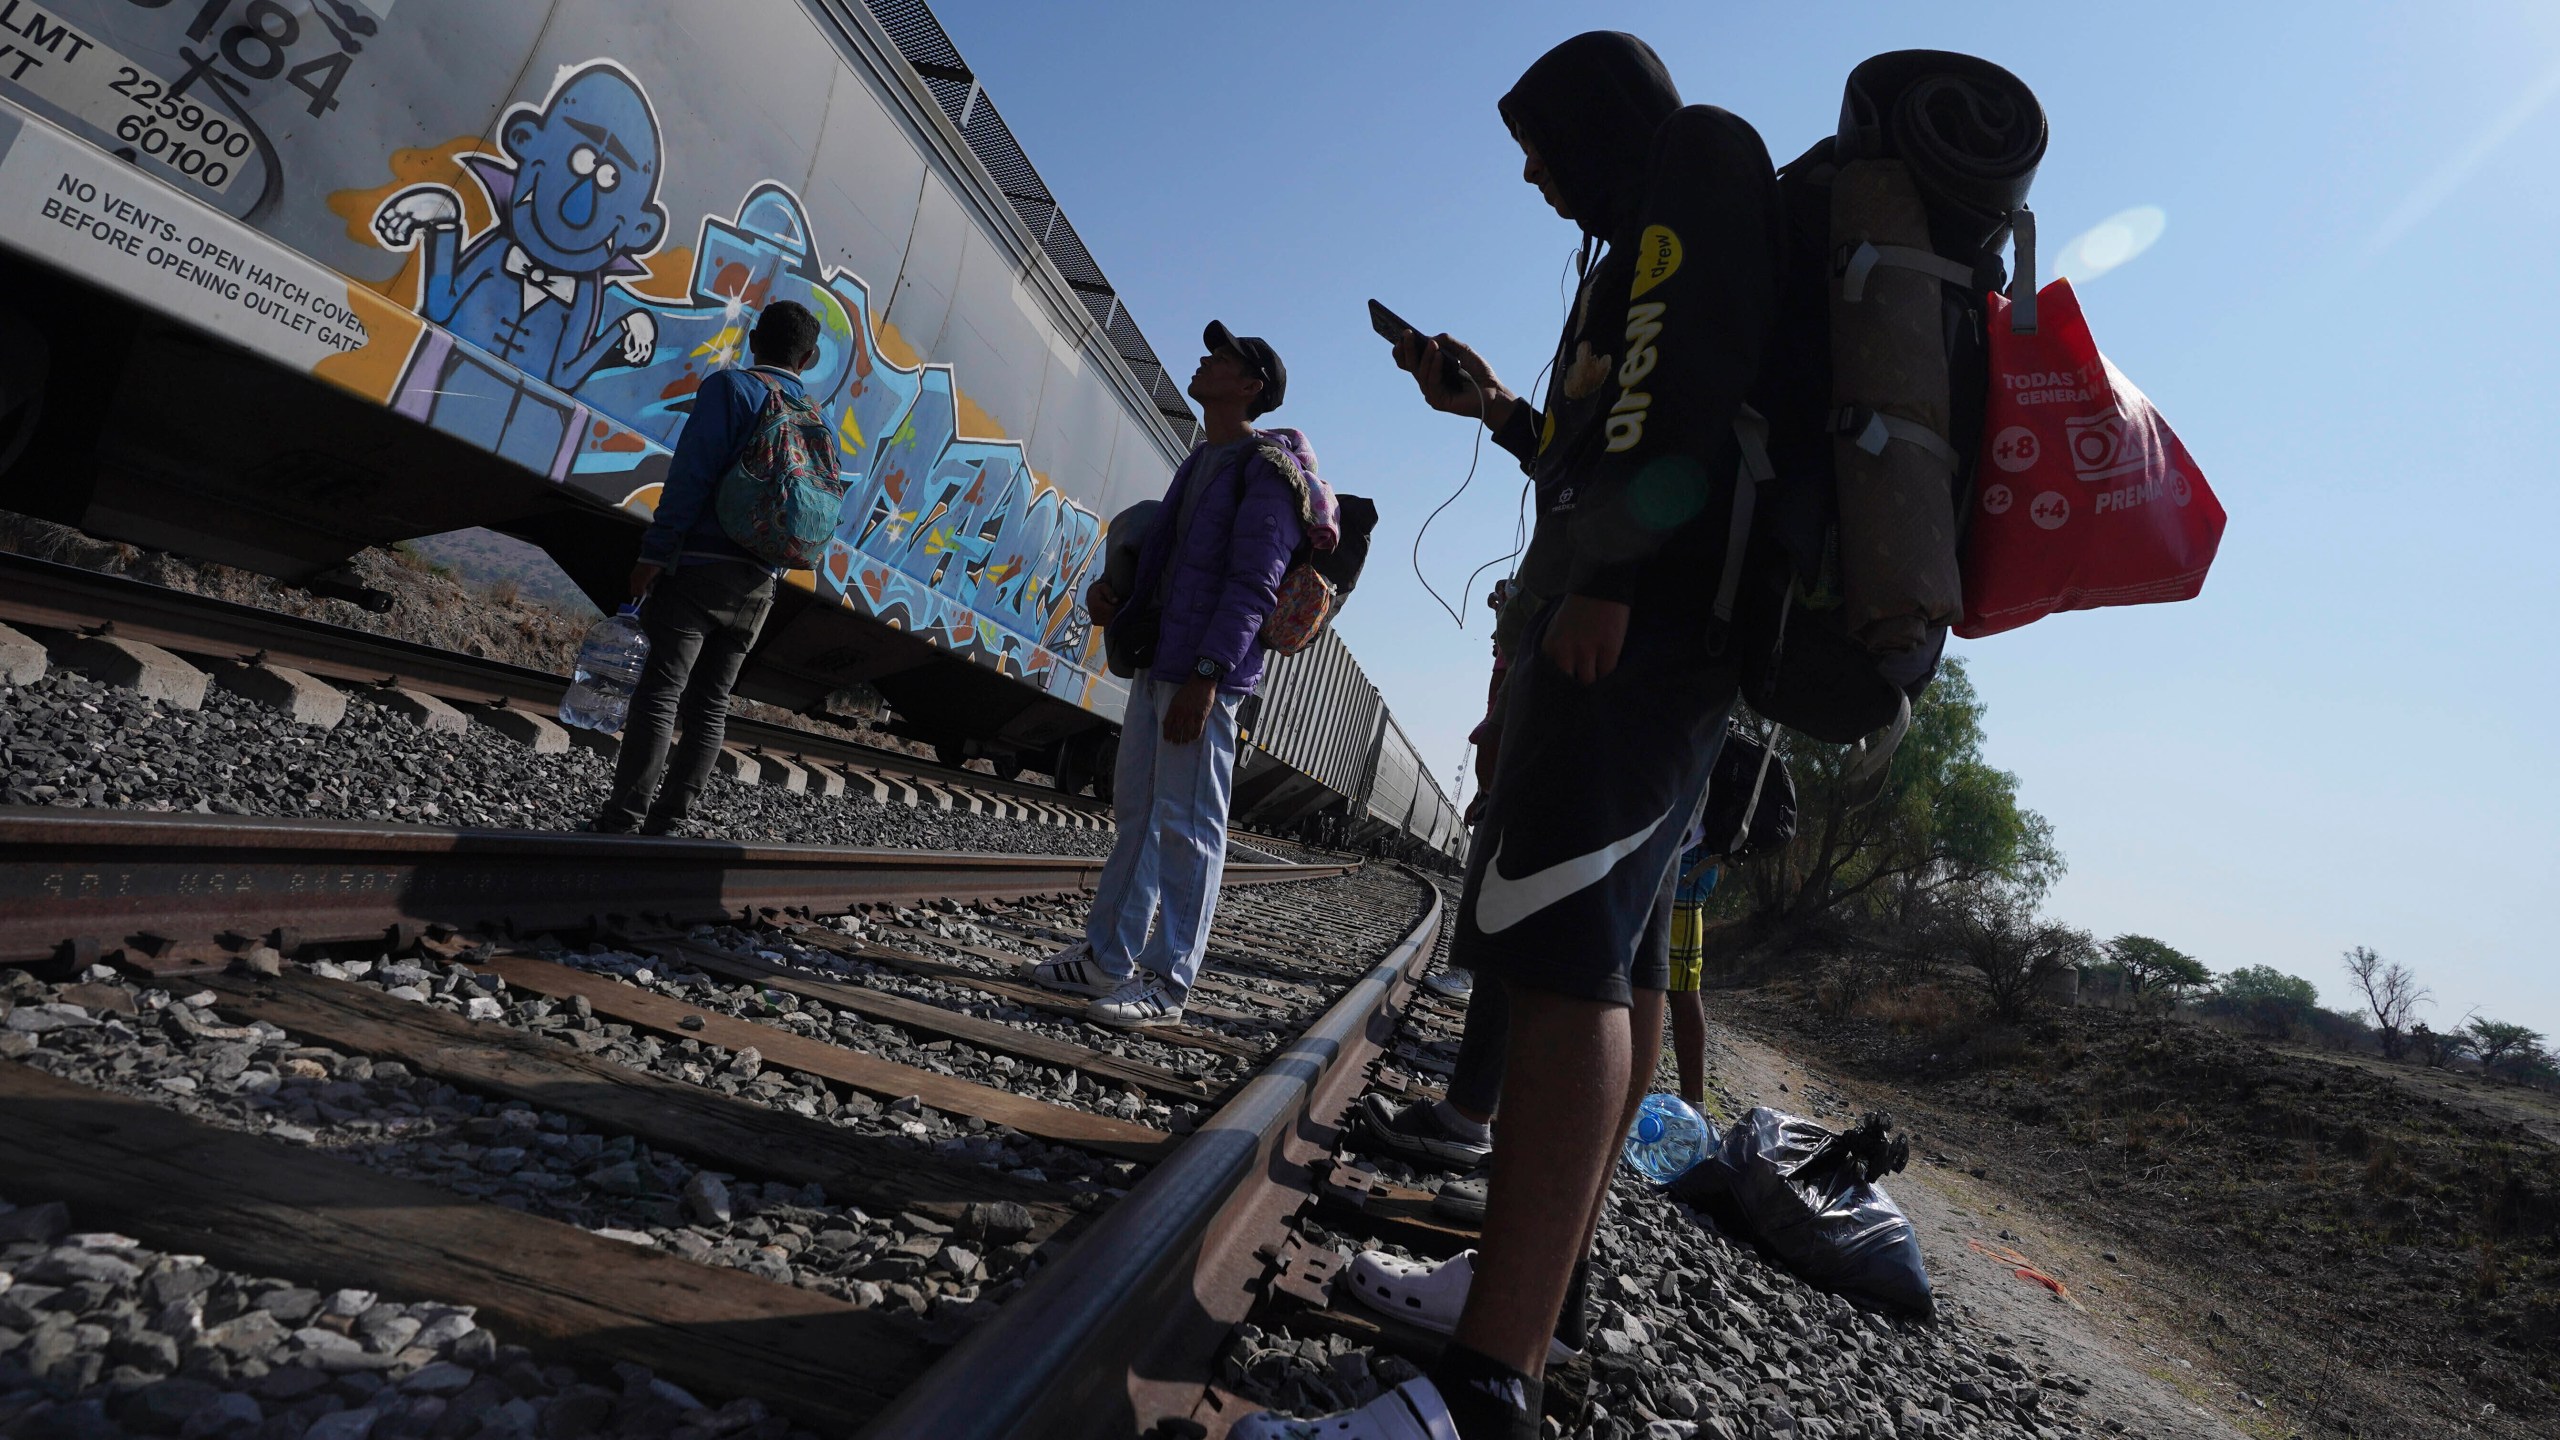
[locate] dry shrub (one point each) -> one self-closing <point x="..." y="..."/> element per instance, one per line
<point x="1992" y="1046"/>
<point x="1918" y="1010"/>
<point x="410" y="557"/>
<point x="504" y="592"/>
<point x="2162" y="1125"/>
<point x="2488" y="1277"/>
<point x="1846" y="981"/>
<point x="2384" y="1174"/>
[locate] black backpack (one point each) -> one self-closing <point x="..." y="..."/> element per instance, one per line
<point x="1341" y="565"/>
<point x="1931" y="165"/>
<point x="1750" y="804"/>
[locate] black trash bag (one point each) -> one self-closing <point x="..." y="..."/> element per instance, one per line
<point x="1809" y="1195"/>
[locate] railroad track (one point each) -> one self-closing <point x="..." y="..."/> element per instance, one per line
<point x="41" y="596"/>
<point x="53" y="600"/>
<point x="57" y="600"/>
<point x="778" y="1123"/>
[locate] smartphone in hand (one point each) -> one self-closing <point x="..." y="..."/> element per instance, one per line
<point x="1393" y="328"/>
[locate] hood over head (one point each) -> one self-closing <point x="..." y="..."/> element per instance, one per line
<point x="1295" y="459"/>
<point x="1590" y="106"/>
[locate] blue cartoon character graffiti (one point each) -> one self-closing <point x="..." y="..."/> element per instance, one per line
<point x="575" y="194"/>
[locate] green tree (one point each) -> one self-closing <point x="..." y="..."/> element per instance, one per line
<point x="2266" y="999"/>
<point x="2503" y="1046"/>
<point x="2338" y="1029"/>
<point x="2154" y="969"/>
<point x="1942" y="821"/>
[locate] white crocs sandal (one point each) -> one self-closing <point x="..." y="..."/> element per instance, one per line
<point x="1411" y="1411"/>
<point x="1426" y="1294"/>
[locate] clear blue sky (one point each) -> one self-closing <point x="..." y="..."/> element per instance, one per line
<point x="2347" y="740"/>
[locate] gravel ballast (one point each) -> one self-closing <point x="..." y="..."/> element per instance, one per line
<point x="102" y="1336"/>
<point x="171" y="1045"/>
<point x="1696" y="1337"/>
<point x="177" y="1051"/>
<point x="68" y="740"/>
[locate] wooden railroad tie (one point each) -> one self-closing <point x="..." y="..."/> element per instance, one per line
<point x="673" y="1019"/>
<point x="264" y="1207"/>
<point x="726" y="1133"/>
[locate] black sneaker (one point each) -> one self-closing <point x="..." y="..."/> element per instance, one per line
<point x="1413" y="1133"/>
<point x="1462" y="1199"/>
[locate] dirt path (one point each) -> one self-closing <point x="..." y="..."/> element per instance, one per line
<point x="2143" y="1379"/>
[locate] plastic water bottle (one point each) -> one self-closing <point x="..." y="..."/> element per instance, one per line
<point x="1669" y="1137"/>
<point x="608" y="671"/>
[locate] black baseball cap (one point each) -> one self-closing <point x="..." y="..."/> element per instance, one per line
<point x="1258" y="356"/>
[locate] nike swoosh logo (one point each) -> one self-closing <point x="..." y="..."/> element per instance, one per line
<point x="1502" y="903"/>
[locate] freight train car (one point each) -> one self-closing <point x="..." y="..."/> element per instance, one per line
<point x="284" y="279"/>
<point x="1327" y="761"/>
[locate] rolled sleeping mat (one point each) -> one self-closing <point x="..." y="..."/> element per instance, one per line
<point x="1972" y="133"/>
<point x="1893" y="467"/>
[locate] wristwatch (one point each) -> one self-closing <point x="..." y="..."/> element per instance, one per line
<point x="1208" y="669"/>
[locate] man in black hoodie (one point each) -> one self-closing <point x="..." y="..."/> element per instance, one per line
<point x="1617" y="694"/>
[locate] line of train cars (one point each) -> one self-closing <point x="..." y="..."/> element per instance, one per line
<point x="284" y="279"/>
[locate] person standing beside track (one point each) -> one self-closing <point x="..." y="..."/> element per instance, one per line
<point x="1208" y="575"/>
<point x="1695" y="875"/>
<point x="1616" y="702"/>
<point x="704" y="598"/>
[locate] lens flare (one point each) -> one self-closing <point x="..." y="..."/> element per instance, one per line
<point x="2111" y="242"/>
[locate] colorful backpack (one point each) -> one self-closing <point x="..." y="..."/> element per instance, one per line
<point x="1303" y="607"/>
<point x="780" y="500"/>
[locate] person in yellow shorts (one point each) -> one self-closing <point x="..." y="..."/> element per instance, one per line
<point x="1693" y="882"/>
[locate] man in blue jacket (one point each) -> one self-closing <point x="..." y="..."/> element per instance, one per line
<point x="1207" y="577"/>
<point x="706" y="597"/>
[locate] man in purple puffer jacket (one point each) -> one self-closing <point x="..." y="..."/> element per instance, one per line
<point x="1208" y="573"/>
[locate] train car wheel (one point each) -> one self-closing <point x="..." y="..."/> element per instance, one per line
<point x="25" y="367"/>
<point x="1106" y="760"/>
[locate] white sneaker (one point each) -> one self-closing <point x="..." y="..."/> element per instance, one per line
<point x="1075" y="971"/>
<point x="1142" y="1000"/>
<point x="1411" y="1411"/>
<point x="1426" y="1294"/>
<point x="1451" y="984"/>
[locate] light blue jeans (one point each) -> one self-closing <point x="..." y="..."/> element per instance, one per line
<point x="1171" y="805"/>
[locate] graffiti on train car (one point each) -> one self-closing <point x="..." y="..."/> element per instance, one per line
<point x="561" y="346"/>
<point x="574" y="195"/>
<point x="565" y="327"/>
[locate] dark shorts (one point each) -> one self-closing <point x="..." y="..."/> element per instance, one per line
<point x="1651" y="969"/>
<point x="1593" y="790"/>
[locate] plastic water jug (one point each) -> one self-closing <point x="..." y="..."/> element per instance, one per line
<point x="608" y="670"/>
<point x="1668" y="1138"/>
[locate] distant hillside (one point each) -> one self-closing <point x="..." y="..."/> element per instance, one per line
<point x="485" y="559"/>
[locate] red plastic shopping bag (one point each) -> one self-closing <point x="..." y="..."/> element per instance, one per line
<point x="2084" y="496"/>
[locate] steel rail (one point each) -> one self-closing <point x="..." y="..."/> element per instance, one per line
<point x="1120" y="1332"/>
<point x="90" y="882"/>
<point x="48" y="595"/>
